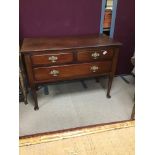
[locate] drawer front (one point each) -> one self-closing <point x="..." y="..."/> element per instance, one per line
<point x="66" y="72"/>
<point x="88" y="55"/>
<point x="54" y="58"/>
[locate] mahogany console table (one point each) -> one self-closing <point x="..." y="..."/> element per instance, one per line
<point x="50" y="60"/>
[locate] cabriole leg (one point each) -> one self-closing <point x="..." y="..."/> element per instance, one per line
<point x="109" y="86"/>
<point x="34" y="95"/>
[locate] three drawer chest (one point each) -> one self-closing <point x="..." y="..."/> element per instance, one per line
<point x="50" y="60"/>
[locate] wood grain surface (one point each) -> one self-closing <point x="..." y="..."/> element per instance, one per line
<point x="44" y="59"/>
<point x="61" y="43"/>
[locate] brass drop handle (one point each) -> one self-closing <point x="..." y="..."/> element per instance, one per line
<point x="55" y="72"/>
<point x="95" y="55"/>
<point x="53" y="58"/>
<point x="94" y="68"/>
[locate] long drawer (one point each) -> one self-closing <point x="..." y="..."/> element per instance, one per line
<point x="52" y="59"/>
<point x="94" y="54"/>
<point x="65" y="72"/>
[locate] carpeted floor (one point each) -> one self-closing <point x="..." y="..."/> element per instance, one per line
<point x="70" y="105"/>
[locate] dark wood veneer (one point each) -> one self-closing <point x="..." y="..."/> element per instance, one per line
<point x="41" y="59"/>
<point x="61" y="43"/>
<point x="50" y="60"/>
<point x="86" y="55"/>
<point x="71" y="71"/>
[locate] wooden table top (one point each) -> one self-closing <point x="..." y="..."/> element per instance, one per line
<point x="60" y="43"/>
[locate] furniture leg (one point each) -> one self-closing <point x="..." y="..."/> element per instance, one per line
<point x="46" y="92"/>
<point x="22" y="87"/>
<point x="25" y="101"/>
<point x="34" y="95"/>
<point x="109" y="86"/>
<point x="97" y="80"/>
<point x="36" y="88"/>
<point x="84" y="84"/>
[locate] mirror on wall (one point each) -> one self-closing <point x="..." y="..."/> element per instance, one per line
<point x="107" y="17"/>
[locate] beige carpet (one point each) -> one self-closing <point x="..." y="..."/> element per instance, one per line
<point x="70" y="105"/>
<point x="113" y="139"/>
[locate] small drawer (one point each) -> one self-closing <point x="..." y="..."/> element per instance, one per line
<point x="66" y="72"/>
<point x="88" y="55"/>
<point x="54" y="58"/>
